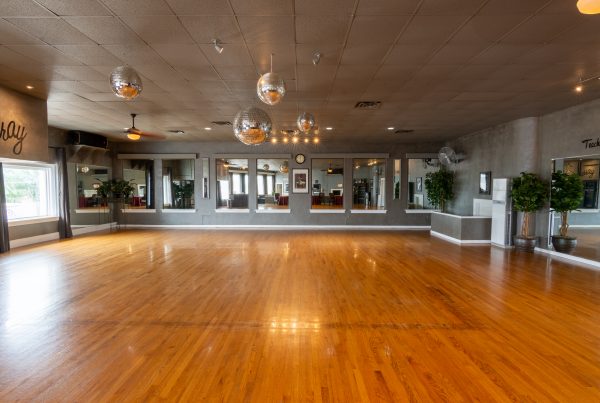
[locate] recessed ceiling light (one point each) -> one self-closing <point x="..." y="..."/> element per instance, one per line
<point x="316" y="140"/>
<point x="274" y="140"/>
<point x="208" y="128"/>
<point x="294" y="140"/>
<point x="29" y="87"/>
<point x="391" y="128"/>
<point x="285" y="139"/>
<point x="329" y="128"/>
<point x="306" y="140"/>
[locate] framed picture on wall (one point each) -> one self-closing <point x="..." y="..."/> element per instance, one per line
<point x="485" y="182"/>
<point x="300" y="181"/>
<point x="419" y="184"/>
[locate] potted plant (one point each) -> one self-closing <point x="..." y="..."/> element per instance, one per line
<point x="439" y="186"/>
<point x="121" y="189"/>
<point x="566" y="195"/>
<point x="529" y="193"/>
<point x="104" y="189"/>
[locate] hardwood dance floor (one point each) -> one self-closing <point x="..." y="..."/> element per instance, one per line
<point x="282" y="316"/>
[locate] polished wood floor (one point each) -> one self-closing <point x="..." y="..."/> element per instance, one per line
<point x="282" y="316"/>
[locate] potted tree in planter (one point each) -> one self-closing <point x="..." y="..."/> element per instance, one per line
<point x="439" y="187"/>
<point x="529" y="193"/>
<point x="565" y="196"/>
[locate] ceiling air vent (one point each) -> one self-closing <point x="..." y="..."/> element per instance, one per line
<point x="404" y="131"/>
<point x="221" y="123"/>
<point x="368" y="105"/>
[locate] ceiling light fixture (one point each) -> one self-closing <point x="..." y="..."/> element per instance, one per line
<point x="306" y="140"/>
<point x="126" y="82"/>
<point x="133" y="136"/>
<point x="579" y="87"/>
<point x="391" y="128"/>
<point x="588" y="6"/>
<point x="305" y="122"/>
<point x="29" y="87"/>
<point x="274" y="140"/>
<point x="208" y="128"/>
<point x="316" y="58"/>
<point x="329" y="128"/>
<point x="285" y="140"/>
<point x="270" y="87"/>
<point x="316" y="140"/>
<point x="218" y="46"/>
<point x="252" y="126"/>
<point x="294" y="140"/>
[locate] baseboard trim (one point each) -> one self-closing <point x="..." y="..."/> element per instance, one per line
<point x="17" y="243"/>
<point x="460" y="241"/>
<point x="92" y="228"/>
<point x="592" y="264"/>
<point x="289" y="227"/>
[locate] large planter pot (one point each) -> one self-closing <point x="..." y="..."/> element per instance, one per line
<point x="564" y="244"/>
<point x="525" y="244"/>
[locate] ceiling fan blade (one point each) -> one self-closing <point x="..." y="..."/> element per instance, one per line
<point x="152" y="135"/>
<point x="133" y="130"/>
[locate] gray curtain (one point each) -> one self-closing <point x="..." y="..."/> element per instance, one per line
<point x="64" y="213"/>
<point x="4" y="239"/>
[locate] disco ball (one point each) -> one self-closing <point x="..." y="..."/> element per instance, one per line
<point x="252" y="126"/>
<point x="306" y="121"/>
<point x="270" y="88"/>
<point x="125" y="82"/>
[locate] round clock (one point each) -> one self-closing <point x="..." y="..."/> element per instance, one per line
<point x="300" y="158"/>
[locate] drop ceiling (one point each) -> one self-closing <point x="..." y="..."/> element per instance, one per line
<point x="442" y="68"/>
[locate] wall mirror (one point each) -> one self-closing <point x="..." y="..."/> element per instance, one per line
<point x="368" y="183"/>
<point x="272" y="183"/>
<point x="584" y="224"/>
<point x="178" y="184"/>
<point x="396" y="188"/>
<point x="327" y="183"/>
<point x="205" y="178"/>
<point x="88" y="179"/>
<point x="232" y="183"/>
<point x="418" y="168"/>
<point x="140" y="174"/>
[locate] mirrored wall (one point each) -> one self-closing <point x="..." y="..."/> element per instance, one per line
<point x="418" y="168"/>
<point x="272" y="184"/>
<point x="368" y="184"/>
<point x="232" y="183"/>
<point x="583" y="224"/>
<point x="327" y="183"/>
<point x="178" y="184"/>
<point x="89" y="178"/>
<point x="140" y="175"/>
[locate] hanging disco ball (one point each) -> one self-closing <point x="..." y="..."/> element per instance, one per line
<point x="270" y="88"/>
<point x="252" y="126"/>
<point x="306" y="121"/>
<point x="126" y="82"/>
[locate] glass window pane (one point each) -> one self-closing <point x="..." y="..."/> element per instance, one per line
<point x="232" y="183"/>
<point x="368" y="184"/>
<point x="29" y="191"/>
<point x="178" y="184"/>
<point x="327" y="183"/>
<point x="272" y="181"/>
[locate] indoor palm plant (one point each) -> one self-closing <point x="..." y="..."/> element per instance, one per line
<point x="529" y="193"/>
<point x="566" y="195"/>
<point x="439" y="186"/>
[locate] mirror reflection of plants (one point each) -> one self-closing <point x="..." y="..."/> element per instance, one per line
<point x="116" y="188"/>
<point x="566" y="196"/>
<point x="183" y="193"/>
<point x="439" y="186"/>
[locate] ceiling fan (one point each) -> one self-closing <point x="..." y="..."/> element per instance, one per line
<point x="133" y="133"/>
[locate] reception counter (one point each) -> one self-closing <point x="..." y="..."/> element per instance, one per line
<point x="461" y="229"/>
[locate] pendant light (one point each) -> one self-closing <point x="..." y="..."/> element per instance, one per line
<point x="270" y="87"/>
<point x="126" y="82"/>
<point x="252" y="126"/>
<point x="305" y="122"/>
<point x="588" y="6"/>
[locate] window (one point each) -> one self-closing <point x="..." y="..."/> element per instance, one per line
<point x="30" y="191"/>
<point x="327" y="183"/>
<point x="178" y="184"/>
<point x="368" y="184"/>
<point x="232" y="183"/>
<point x="271" y="183"/>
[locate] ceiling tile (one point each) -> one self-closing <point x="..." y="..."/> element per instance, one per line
<point x="22" y="8"/>
<point x="330" y="54"/>
<point x="387" y="7"/>
<point x="181" y="55"/>
<point x="410" y="54"/>
<point x="503" y="7"/>
<point x="380" y="30"/>
<point x="540" y="29"/>
<point x="89" y="54"/>
<point x="79" y="73"/>
<point x="456" y="54"/>
<point x="364" y="54"/>
<point x="135" y="55"/>
<point x="238" y="72"/>
<point x="450" y="7"/>
<point x="233" y="55"/>
<point x="205" y="29"/>
<point x="319" y="8"/>
<point x="53" y="31"/>
<point x="321" y="29"/>
<point x="204" y="7"/>
<point x="283" y="55"/>
<point x="139" y="7"/>
<point x="198" y="73"/>
<point x="267" y="29"/>
<point x="163" y="29"/>
<point x="11" y="35"/>
<point x="75" y="7"/>
<point x="486" y="28"/>
<point x="501" y="54"/>
<point x="45" y="54"/>
<point x="105" y="30"/>
<point x="425" y="29"/>
<point x="262" y="7"/>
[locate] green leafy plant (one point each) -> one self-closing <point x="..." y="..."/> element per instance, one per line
<point x="566" y="195"/>
<point x="117" y="188"/>
<point x="183" y="193"/>
<point x="104" y="189"/>
<point x="529" y="193"/>
<point x="439" y="187"/>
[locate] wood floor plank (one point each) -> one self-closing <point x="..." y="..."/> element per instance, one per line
<point x="298" y="316"/>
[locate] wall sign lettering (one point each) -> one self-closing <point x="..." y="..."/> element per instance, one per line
<point x="591" y="143"/>
<point x="10" y="131"/>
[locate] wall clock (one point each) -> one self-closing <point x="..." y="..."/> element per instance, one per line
<point x="300" y="158"/>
